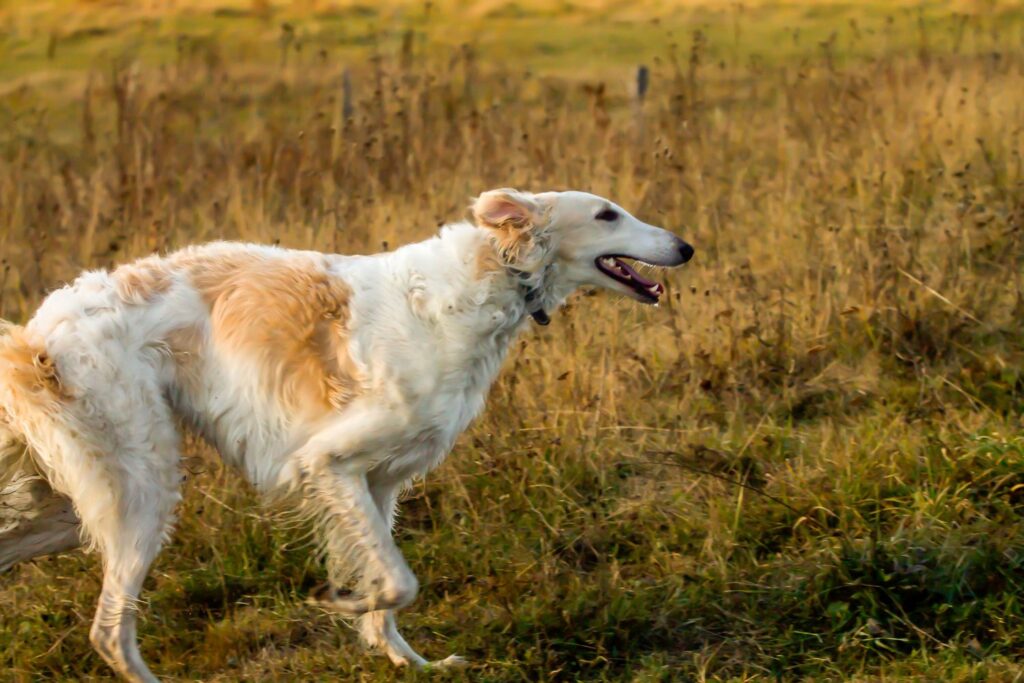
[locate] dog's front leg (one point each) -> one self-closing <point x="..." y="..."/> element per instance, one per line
<point x="359" y="543"/>
<point x="379" y="629"/>
<point x="357" y="526"/>
<point x="335" y="462"/>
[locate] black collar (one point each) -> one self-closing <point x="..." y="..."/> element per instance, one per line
<point x="532" y="297"/>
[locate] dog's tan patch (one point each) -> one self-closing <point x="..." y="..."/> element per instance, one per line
<point x="288" y="314"/>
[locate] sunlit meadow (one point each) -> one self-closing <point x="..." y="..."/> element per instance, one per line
<point x="807" y="464"/>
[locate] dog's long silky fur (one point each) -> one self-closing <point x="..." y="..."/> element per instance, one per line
<point x="329" y="381"/>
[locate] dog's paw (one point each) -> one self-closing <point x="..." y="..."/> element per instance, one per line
<point x="449" y="662"/>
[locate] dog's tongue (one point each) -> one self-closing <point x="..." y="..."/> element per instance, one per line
<point x="637" y="277"/>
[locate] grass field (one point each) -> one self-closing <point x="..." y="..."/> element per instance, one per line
<point x="807" y="465"/>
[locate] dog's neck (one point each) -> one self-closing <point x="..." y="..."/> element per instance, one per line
<point x="489" y="296"/>
<point x="532" y="289"/>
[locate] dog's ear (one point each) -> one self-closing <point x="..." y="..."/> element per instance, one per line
<point x="505" y="209"/>
<point x="515" y="217"/>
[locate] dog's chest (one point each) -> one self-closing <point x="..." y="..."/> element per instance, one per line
<point x="459" y="393"/>
<point x="446" y="387"/>
<point x="439" y="417"/>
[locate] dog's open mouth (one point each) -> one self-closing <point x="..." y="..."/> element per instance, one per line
<point x="618" y="270"/>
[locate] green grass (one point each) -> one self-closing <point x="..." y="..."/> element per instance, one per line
<point x="807" y="464"/>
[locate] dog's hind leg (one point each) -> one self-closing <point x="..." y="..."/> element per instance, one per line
<point x="130" y="539"/>
<point x="94" y="416"/>
<point x="113" y="631"/>
<point x="124" y="481"/>
<point x="122" y="476"/>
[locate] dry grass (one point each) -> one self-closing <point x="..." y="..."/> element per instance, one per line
<point x="806" y="465"/>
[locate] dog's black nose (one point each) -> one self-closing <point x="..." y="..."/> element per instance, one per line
<point x="685" y="251"/>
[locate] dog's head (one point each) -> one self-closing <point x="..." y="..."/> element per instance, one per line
<point x="585" y="236"/>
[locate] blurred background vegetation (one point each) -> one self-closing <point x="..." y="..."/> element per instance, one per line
<point x="806" y="465"/>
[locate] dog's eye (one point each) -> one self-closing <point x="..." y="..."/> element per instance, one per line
<point x="607" y="215"/>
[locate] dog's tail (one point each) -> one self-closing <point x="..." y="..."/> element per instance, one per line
<point x="34" y="519"/>
<point x="29" y="395"/>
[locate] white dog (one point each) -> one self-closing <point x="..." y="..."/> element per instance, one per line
<point x="329" y="380"/>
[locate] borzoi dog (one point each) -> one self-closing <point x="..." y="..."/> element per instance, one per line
<point x="328" y="380"/>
